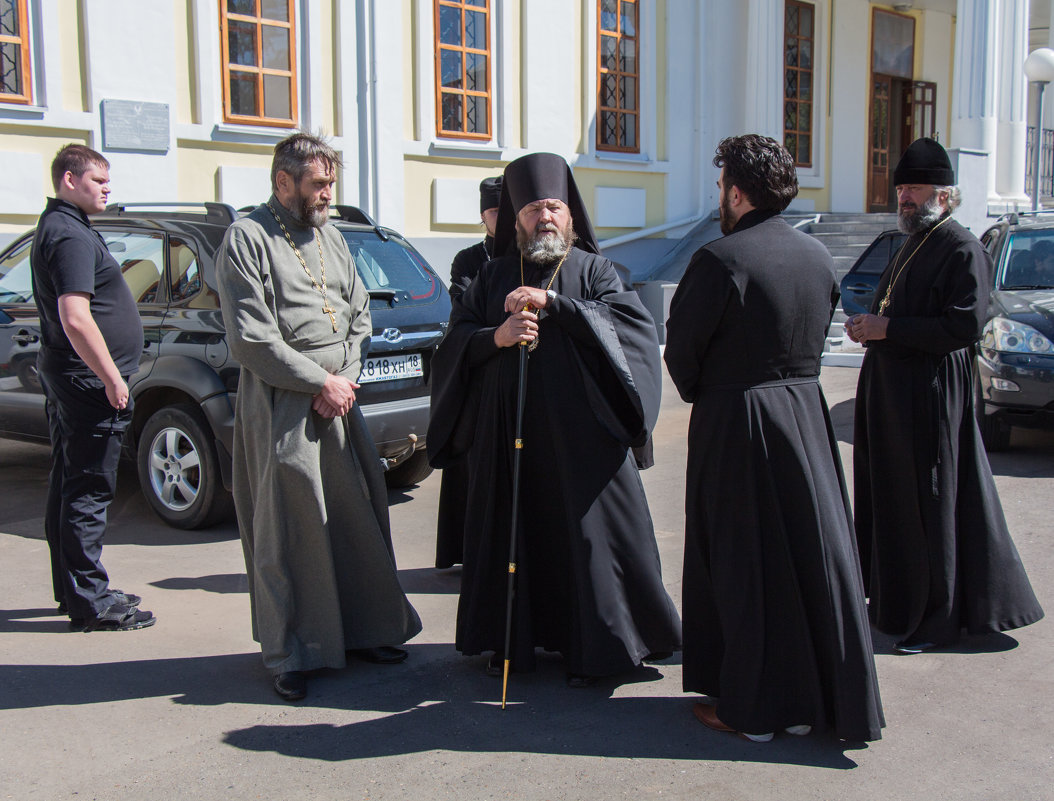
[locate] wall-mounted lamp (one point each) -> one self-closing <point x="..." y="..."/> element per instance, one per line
<point x="902" y="7"/>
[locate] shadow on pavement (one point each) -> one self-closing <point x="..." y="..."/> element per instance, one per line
<point x="842" y="416"/>
<point x="224" y="583"/>
<point x="436" y="701"/>
<point x="431" y="580"/>
<point x="451" y="706"/>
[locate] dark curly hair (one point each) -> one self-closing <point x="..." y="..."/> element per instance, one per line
<point x="761" y="168"/>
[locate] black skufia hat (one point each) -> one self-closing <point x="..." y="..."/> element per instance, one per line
<point x="538" y="176"/>
<point x="924" y="162"/>
<point x="489" y="193"/>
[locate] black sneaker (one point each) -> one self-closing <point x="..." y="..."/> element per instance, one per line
<point x="117" y="617"/>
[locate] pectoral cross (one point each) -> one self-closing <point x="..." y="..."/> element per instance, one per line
<point x="332" y="316"/>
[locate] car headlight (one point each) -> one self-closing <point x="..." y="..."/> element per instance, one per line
<point x="1009" y="336"/>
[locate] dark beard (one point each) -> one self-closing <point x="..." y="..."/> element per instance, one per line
<point x="728" y="224"/>
<point x="541" y="248"/>
<point x="307" y="214"/>
<point x="920" y="218"/>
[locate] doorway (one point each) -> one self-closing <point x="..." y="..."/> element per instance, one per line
<point x="902" y="109"/>
<point x="901" y="112"/>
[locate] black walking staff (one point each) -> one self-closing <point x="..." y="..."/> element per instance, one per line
<point x="521" y="395"/>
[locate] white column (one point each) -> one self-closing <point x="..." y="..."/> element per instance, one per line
<point x="974" y="121"/>
<point x="764" y="78"/>
<point x="1012" y="101"/>
<point x="1048" y="107"/>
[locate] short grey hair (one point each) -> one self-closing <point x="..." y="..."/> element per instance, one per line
<point x="955" y="195"/>
<point x="294" y="154"/>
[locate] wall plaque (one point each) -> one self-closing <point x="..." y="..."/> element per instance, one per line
<point x="128" y="125"/>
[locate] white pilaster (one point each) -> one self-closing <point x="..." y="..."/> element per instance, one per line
<point x="974" y="121"/>
<point x="764" y="78"/>
<point x="1012" y="100"/>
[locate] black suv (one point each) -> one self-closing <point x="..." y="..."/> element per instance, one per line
<point x="1015" y="358"/>
<point x="184" y="391"/>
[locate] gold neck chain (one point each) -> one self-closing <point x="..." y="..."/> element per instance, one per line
<point x="898" y="270"/>
<point x="534" y="343"/>
<point x="326" y="309"/>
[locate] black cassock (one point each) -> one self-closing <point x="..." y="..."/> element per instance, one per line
<point x="588" y="579"/>
<point x="453" y="491"/>
<point x="775" y="624"/>
<point x="934" y="546"/>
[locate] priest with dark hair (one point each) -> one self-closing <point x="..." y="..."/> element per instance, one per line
<point x="936" y="553"/>
<point x="775" y="624"/>
<point x="588" y="577"/>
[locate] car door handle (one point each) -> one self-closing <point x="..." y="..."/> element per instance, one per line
<point x="860" y="288"/>
<point x="23" y="337"/>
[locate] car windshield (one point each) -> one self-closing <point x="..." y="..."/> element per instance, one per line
<point x="1029" y="260"/>
<point x="391" y="269"/>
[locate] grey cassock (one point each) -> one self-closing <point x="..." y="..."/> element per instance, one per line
<point x="309" y="491"/>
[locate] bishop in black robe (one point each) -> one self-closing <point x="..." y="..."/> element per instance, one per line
<point x="588" y="576"/>
<point x="775" y="624"/>
<point x="935" y="550"/>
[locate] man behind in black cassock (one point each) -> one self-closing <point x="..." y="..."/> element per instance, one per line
<point x="775" y="623"/>
<point x="934" y="546"/>
<point x="453" y="491"/>
<point x="588" y="578"/>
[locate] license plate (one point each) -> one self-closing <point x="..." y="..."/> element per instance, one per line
<point x="391" y="368"/>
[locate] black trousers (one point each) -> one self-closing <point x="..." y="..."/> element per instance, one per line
<point x="86" y="436"/>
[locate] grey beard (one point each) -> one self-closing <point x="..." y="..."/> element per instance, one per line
<point x="926" y="215"/>
<point x="544" y="249"/>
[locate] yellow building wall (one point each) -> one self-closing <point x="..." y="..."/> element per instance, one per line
<point x="821" y="197"/>
<point x="418" y="175"/>
<point x="46" y="143"/>
<point x="184" y="66"/>
<point x="420" y="172"/>
<point x="199" y="162"/>
<point x="660" y="80"/>
<point x="653" y="183"/>
<point x="74" y="90"/>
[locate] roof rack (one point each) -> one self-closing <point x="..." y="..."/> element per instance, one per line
<point x="1013" y="217"/>
<point x="217" y="213"/>
<point x="354" y="214"/>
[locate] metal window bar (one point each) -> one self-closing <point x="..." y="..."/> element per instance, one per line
<point x="1046" y="163"/>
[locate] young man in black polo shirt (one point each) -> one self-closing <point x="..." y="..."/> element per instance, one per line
<point x="91" y="338"/>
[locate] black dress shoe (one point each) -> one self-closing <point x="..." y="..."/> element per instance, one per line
<point x="381" y="655"/>
<point x="657" y="656"/>
<point x="576" y="681"/>
<point x="905" y="647"/>
<point x="291" y="686"/>
<point x="496" y="665"/>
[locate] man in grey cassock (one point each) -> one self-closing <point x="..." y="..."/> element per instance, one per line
<point x="308" y="487"/>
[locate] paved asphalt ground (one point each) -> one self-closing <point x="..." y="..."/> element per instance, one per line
<point x="184" y="710"/>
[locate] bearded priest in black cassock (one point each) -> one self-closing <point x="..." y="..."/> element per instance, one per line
<point x="775" y="624"/>
<point x="588" y="578"/>
<point x="936" y="553"/>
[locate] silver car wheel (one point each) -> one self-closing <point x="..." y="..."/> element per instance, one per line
<point x="175" y="469"/>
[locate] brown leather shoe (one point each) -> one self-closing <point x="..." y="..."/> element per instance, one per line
<point x="707" y="715"/>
